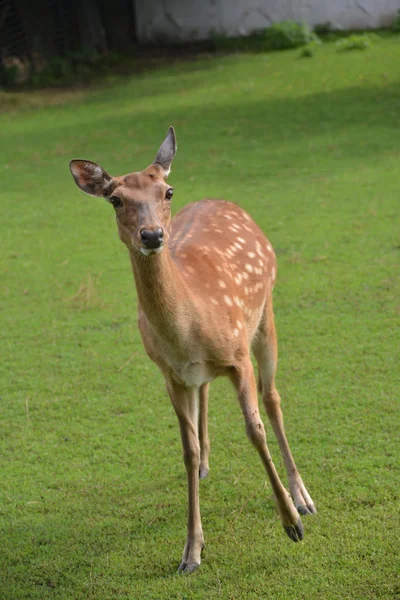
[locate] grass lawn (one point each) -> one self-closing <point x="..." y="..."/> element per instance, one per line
<point x="93" y="487"/>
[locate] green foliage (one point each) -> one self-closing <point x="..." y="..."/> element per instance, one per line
<point x="309" y="50"/>
<point x="288" y="34"/>
<point x="59" y="68"/>
<point x="354" y="42"/>
<point x="280" y="36"/>
<point x="323" y="28"/>
<point x="93" y="486"/>
<point x="396" y="23"/>
<point x="8" y="76"/>
<point x="74" y="67"/>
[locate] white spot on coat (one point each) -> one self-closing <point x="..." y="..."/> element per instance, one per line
<point x="228" y="300"/>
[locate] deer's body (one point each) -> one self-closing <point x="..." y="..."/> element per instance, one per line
<point x="208" y="292"/>
<point x="204" y="287"/>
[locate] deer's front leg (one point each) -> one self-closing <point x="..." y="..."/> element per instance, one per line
<point x="185" y="403"/>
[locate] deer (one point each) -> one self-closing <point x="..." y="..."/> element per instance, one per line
<point x="204" y="282"/>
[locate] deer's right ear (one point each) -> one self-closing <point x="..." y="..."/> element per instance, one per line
<point x="91" y="178"/>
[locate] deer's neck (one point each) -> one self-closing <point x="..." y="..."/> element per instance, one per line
<point x="163" y="294"/>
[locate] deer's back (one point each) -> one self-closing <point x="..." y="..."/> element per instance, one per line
<point x="224" y="256"/>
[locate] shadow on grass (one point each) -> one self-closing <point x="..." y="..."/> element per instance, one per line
<point x="253" y="128"/>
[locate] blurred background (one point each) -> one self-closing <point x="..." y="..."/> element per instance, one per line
<point x="34" y="36"/>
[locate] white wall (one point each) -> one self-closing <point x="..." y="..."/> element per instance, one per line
<point x="187" y="20"/>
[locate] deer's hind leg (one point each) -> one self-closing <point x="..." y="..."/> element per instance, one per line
<point x="243" y="379"/>
<point x="203" y="430"/>
<point x="265" y="351"/>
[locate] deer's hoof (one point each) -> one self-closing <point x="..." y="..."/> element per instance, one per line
<point x="306" y="509"/>
<point x="203" y="472"/>
<point x="295" y="532"/>
<point x="188" y="568"/>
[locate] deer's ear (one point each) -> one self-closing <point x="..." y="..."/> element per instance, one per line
<point x="90" y="177"/>
<point x="166" y="152"/>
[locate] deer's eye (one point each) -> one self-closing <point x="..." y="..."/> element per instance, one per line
<point x="169" y="193"/>
<point x="115" y="201"/>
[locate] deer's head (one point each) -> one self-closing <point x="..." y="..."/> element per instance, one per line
<point x="142" y="200"/>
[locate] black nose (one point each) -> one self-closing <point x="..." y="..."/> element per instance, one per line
<point x="152" y="239"/>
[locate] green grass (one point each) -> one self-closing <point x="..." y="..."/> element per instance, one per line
<point x="93" y="487"/>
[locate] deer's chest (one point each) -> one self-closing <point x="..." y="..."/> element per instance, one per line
<point x="179" y="361"/>
<point x="192" y="374"/>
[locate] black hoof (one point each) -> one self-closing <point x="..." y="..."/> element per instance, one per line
<point x="188" y="567"/>
<point x="295" y="532"/>
<point x="310" y="509"/>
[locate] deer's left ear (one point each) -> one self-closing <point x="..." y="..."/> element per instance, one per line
<point x="90" y="177"/>
<point x="167" y="152"/>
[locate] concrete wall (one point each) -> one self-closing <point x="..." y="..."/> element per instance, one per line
<point x="188" y="20"/>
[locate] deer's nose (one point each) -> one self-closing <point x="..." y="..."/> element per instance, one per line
<point x="152" y="239"/>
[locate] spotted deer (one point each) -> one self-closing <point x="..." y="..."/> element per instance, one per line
<point x="204" y="281"/>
